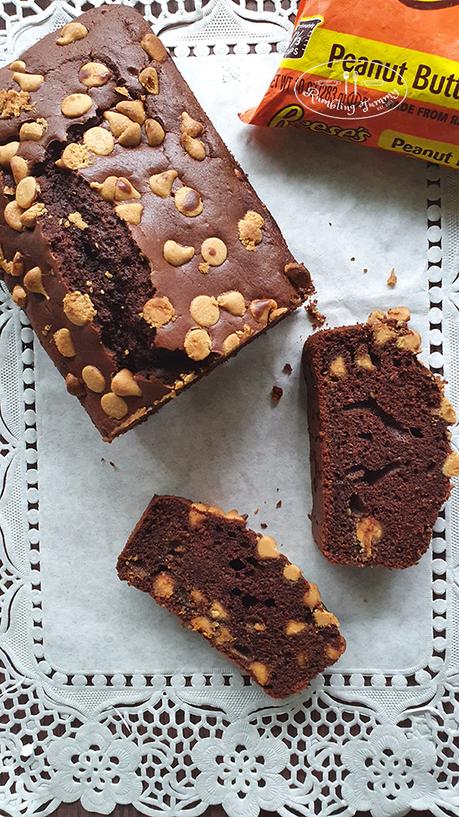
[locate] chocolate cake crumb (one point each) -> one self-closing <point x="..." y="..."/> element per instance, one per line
<point x="316" y="317"/>
<point x="279" y="504"/>
<point x="263" y="525"/>
<point x="276" y="394"/>
<point x="287" y="369"/>
<point x="232" y="586"/>
<point x="381" y="456"/>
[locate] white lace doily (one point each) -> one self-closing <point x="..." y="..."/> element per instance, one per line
<point x="172" y="745"/>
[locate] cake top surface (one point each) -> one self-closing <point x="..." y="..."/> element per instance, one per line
<point x="101" y="97"/>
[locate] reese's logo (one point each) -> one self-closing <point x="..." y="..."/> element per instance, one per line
<point x="430" y="5"/>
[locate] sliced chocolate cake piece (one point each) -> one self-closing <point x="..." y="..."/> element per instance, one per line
<point x="381" y="458"/>
<point x="129" y="234"/>
<point x="234" y="587"/>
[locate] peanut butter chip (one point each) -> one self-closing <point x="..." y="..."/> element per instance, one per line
<point x="76" y="220"/>
<point x="19" y="167"/>
<point x="75" y="105"/>
<point x="231" y="343"/>
<point x="124" y="384"/>
<point x="117" y="188"/>
<point x="332" y="652"/>
<point x="12" y="103"/>
<point x="31" y="132"/>
<point x="202" y="625"/>
<point x="214" y="251"/>
<point x="28" y="82"/>
<point x="410" y="342"/>
<point x="99" y="141"/>
<point x="292" y="573"/>
<point x="154" y="47"/>
<point x="176" y="254"/>
<point x="161" y="183"/>
<point x="93" y="378"/>
<point x="260" y="672"/>
<point x="17" y="265"/>
<point x="29" y="217"/>
<point x="7" y="152"/>
<point x="155" y="132"/>
<point x="312" y="596"/>
<point x="64" y="342"/>
<point x="94" y="74"/>
<point x="113" y="406"/>
<point x="260" y="308"/>
<point x="368" y="531"/>
<point x="451" y="465"/>
<point x="189" y="125"/>
<point x="383" y="333"/>
<point x="158" y="311"/>
<point x="17" y="65"/>
<point x="323" y="618"/>
<point x="233" y="302"/>
<point x="188" y="201"/>
<point x="163" y="586"/>
<point x="197" y="344"/>
<point x="294" y="627"/>
<point x="364" y="361"/>
<point x="338" y="367"/>
<point x="133" y="109"/>
<point x="267" y="548"/>
<point x="12" y="215"/>
<point x="250" y="230"/>
<point x="446" y="411"/>
<point x="204" y="310"/>
<point x="26" y="192"/>
<point x="399" y="313"/>
<point x="71" y="32"/>
<point x="79" y="308"/>
<point x="131" y="136"/>
<point x="130" y="213"/>
<point x="149" y="79"/>
<point x="19" y="296"/>
<point x="117" y="122"/>
<point x="194" y="147"/>
<point x="217" y="611"/>
<point x="33" y="281"/>
<point x="74" y="156"/>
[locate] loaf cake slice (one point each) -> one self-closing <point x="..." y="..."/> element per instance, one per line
<point x="234" y="587"/>
<point x="134" y="242"/>
<point x="381" y="458"/>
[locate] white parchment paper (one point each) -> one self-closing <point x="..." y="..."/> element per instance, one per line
<point x="351" y="214"/>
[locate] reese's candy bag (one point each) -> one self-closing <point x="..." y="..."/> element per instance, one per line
<point x="382" y="74"/>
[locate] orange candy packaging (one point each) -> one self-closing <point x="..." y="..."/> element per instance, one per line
<point x="380" y="74"/>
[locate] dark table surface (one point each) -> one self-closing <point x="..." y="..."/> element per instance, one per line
<point x="75" y="810"/>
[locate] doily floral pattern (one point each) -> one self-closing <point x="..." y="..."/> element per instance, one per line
<point x="172" y="745"/>
<point x="96" y="768"/>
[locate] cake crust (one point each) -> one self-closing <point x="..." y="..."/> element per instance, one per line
<point x="380" y="451"/>
<point x="234" y="587"/>
<point x="153" y="259"/>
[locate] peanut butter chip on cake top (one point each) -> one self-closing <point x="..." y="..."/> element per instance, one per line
<point x="79" y="308"/>
<point x="250" y="230"/>
<point x="158" y="311"/>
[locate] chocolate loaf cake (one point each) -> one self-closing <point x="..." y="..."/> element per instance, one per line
<point x="134" y="242"/>
<point x="234" y="587"/>
<point x="381" y="459"/>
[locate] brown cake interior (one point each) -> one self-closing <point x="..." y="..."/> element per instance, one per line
<point x="220" y="586"/>
<point x="379" y="443"/>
